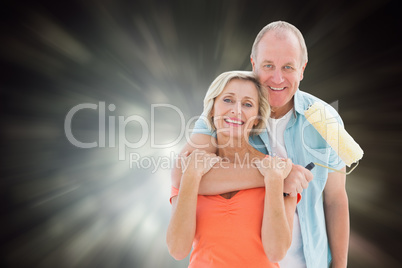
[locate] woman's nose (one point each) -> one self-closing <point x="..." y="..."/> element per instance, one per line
<point x="237" y="108"/>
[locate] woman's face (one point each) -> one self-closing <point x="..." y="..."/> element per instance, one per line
<point x="235" y="110"/>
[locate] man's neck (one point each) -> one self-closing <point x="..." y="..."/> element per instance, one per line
<point x="279" y="112"/>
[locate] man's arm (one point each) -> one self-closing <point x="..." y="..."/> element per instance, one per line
<point x="337" y="218"/>
<point x="223" y="177"/>
<point x="228" y="177"/>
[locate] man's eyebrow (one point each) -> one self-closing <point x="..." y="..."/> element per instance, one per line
<point x="289" y="63"/>
<point x="267" y="61"/>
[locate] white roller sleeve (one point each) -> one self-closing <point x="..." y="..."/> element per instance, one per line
<point x="326" y="124"/>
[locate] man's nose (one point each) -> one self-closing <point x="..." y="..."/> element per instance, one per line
<point x="277" y="77"/>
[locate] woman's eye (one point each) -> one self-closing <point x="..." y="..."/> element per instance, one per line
<point x="248" y="105"/>
<point x="226" y="100"/>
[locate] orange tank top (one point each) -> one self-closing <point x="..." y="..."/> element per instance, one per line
<point x="228" y="231"/>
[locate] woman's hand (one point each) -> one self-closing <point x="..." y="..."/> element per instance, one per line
<point x="297" y="180"/>
<point x="198" y="163"/>
<point x="274" y="167"/>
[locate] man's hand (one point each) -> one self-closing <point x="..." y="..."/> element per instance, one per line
<point x="298" y="179"/>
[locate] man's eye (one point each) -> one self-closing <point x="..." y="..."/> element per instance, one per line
<point x="288" y="67"/>
<point x="268" y="65"/>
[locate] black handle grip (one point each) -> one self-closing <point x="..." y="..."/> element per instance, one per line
<point x="309" y="167"/>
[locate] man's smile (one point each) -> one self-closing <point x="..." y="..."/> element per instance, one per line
<point x="276" y="88"/>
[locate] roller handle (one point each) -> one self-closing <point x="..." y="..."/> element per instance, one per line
<point x="309" y="167"/>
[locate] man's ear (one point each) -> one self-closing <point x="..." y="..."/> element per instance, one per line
<point x="302" y="71"/>
<point x="252" y="63"/>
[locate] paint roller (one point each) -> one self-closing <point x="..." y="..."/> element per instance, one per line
<point x="321" y="118"/>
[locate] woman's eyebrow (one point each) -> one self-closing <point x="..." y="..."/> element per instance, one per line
<point x="249" y="98"/>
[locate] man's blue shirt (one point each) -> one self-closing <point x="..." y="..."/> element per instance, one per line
<point x="304" y="145"/>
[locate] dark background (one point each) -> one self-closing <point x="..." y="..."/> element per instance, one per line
<point x="64" y="206"/>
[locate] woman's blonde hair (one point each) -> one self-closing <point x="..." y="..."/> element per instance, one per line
<point x="219" y="84"/>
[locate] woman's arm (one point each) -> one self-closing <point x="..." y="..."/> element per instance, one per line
<point x="277" y="223"/>
<point x="181" y="229"/>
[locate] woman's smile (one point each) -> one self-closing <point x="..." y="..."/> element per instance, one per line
<point x="234" y="122"/>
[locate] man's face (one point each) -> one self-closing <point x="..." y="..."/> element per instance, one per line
<point x="279" y="68"/>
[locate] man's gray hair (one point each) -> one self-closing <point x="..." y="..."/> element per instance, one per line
<point x="281" y="26"/>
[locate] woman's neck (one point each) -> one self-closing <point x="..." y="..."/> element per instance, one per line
<point x="231" y="148"/>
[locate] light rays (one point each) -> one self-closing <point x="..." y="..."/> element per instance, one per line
<point x="71" y="207"/>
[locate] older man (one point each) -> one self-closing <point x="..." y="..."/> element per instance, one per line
<point x="321" y="227"/>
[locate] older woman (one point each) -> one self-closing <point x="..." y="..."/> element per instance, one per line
<point x="247" y="228"/>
